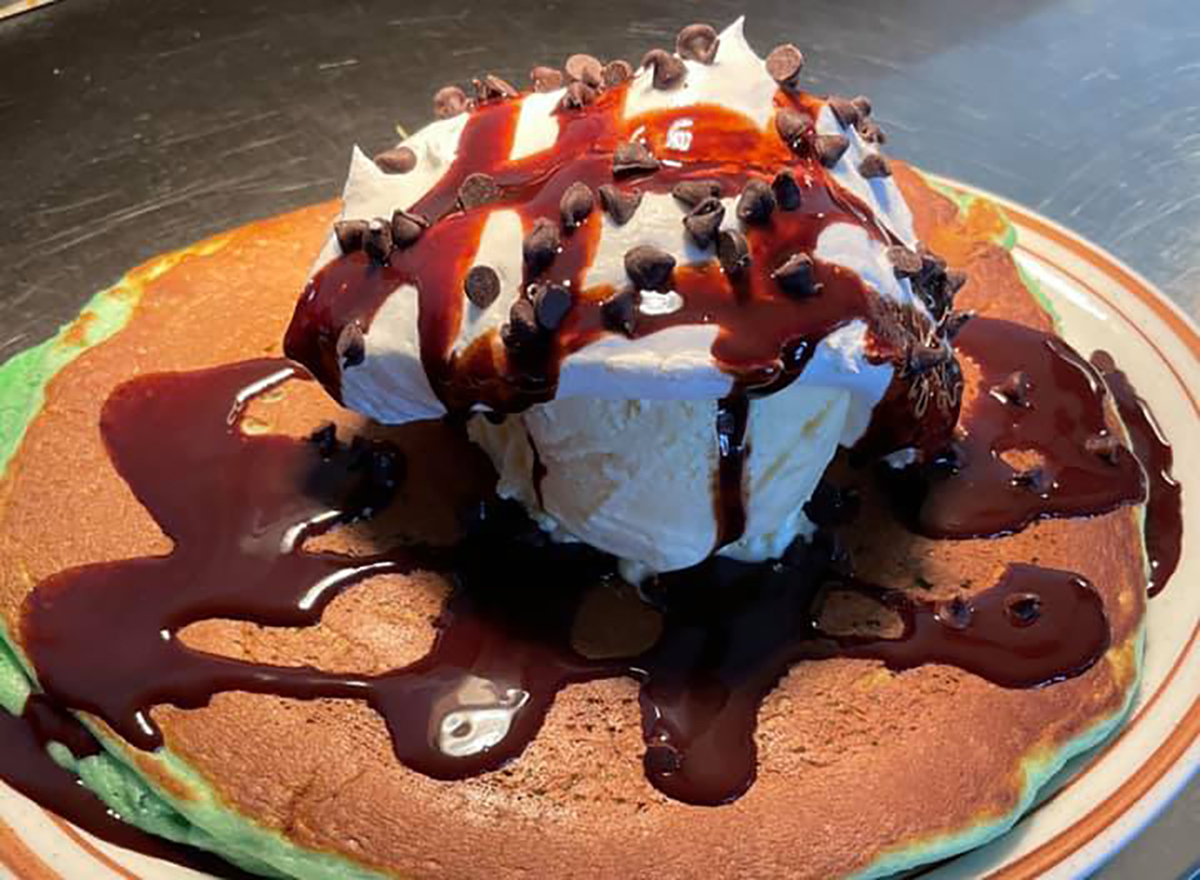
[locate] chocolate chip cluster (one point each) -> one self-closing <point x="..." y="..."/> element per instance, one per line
<point x="379" y="236"/>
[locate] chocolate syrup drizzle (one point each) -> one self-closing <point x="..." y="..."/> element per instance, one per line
<point x="756" y="319"/>
<point x="240" y="507"/>
<point x="1163" y="528"/>
<point x="1037" y="397"/>
<point x="733" y="412"/>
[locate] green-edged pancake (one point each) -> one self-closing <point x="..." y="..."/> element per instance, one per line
<point x="862" y="769"/>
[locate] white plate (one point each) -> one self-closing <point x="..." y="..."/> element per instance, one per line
<point x="1104" y="798"/>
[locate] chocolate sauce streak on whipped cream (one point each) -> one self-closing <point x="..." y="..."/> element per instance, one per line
<point x="26" y="766"/>
<point x="1163" y="528"/>
<point x="758" y="321"/>
<point x="1041" y="404"/>
<point x="239" y="508"/>
<point x="733" y="412"/>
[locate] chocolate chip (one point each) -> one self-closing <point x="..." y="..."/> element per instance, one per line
<point x="953" y="323"/>
<point x="585" y="69"/>
<point x="956" y="279"/>
<point x="482" y="286"/>
<point x="351" y="345"/>
<point x="955" y="613"/>
<point x="797" y="276"/>
<point x="787" y="191"/>
<point x="843" y="110"/>
<point x="923" y="358"/>
<point x="863" y="105"/>
<point x="1023" y="609"/>
<point x="905" y="263"/>
<point x="477" y="190"/>
<point x="669" y="71"/>
<point x="632" y="157"/>
<point x="546" y="79"/>
<point x="407" y="228"/>
<point x="832" y="505"/>
<point x="492" y="88"/>
<point x="649" y="267"/>
<point x="551" y="302"/>
<point x="350" y="234"/>
<point x="697" y="42"/>
<point x="733" y="251"/>
<point x="756" y="203"/>
<point x="521" y="330"/>
<point x="619" y="311"/>
<point x="540" y="246"/>
<point x="620" y="204"/>
<point x="874" y="165"/>
<point x="1015" y="389"/>
<point x="693" y="192"/>
<point x="792" y="125"/>
<point x="870" y="132"/>
<point x="1105" y="446"/>
<point x="398" y="160"/>
<point x="1034" y="479"/>
<point x="449" y="101"/>
<point x="784" y="65"/>
<point x="377" y="241"/>
<point x="576" y="204"/>
<point x="704" y="221"/>
<point x="578" y="96"/>
<point x="617" y="72"/>
<point x="325" y="439"/>
<point x="830" y="147"/>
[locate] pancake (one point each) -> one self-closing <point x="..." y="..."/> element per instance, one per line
<point x="862" y="770"/>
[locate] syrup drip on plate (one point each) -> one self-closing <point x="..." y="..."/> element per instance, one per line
<point x="1163" y="529"/>
<point x="239" y="508"/>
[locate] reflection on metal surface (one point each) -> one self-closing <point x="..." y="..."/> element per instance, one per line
<point x="21" y="6"/>
<point x="477" y="716"/>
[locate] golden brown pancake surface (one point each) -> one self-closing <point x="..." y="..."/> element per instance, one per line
<point x="854" y="760"/>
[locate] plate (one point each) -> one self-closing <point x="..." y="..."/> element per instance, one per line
<point x="1101" y="799"/>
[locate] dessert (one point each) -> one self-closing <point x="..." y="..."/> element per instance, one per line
<point x="739" y="238"/>
<point x="848" y="516"/>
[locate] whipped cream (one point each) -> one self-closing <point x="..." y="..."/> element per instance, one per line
<point x="675" y="364"/>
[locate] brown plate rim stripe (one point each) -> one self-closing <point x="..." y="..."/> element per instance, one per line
<point x="83" y="843"/>
<point x="23" y="862"/>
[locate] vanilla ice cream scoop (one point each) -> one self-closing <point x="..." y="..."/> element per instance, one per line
<point x="676" y="292"/>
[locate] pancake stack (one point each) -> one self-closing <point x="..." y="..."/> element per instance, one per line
<point x="860" y="769"/>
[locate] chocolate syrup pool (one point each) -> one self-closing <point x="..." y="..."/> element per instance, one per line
<point x="239" y="509"/>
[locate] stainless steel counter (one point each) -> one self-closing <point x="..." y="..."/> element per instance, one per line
<point x="129" y="128"/>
